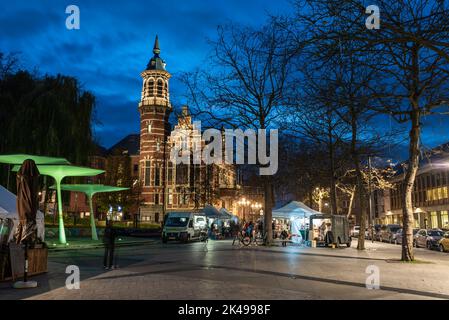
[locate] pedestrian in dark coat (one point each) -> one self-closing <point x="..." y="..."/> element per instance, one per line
<point x="109" y="245"/>
<point x="284" y="237"/>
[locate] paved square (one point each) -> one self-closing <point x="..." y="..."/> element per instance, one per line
<point x="223" y="271"/>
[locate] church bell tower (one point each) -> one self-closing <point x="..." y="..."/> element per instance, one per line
<point x="154" y="109"/>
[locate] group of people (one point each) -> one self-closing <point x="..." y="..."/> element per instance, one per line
<point x="251" y="229"/>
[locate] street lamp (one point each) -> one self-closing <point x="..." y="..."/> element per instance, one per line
<point x="244" y="203"/>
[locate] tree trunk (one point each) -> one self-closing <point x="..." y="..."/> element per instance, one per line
<point x="407" y="203"/>
<point x="358" y="171"/>
<point x="268" y="217"/>
<point x="362" y="214"/>
<point x="320" y="203"/>
<point x="351" y="201"/>
<point x="333" y="192"/>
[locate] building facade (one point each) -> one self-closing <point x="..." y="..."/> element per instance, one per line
<point x="142" y="163"/>
<point x="430" y="194"/>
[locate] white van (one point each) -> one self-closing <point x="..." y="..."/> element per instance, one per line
<point x="184" y="226"/>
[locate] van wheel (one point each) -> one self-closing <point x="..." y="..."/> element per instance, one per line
<point x="348" y="244"/>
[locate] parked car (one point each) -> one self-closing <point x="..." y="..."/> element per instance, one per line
<point x="355" y="231"/>
<point x="428" y="238"/>
<point x="443" y="244"/>
<point x="388" y="232"/>
<point x="398" y="238"/>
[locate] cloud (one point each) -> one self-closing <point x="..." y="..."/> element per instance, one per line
<point x="115" y="43"/>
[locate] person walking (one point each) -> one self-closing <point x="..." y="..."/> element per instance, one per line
<point x="109" y="245"/>
<point x="284" y="236"/>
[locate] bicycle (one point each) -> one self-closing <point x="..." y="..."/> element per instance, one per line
<point x="242" y="238"/>
<point x="259" y="238"/>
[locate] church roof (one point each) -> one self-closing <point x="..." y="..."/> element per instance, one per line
<point x="156" y="62"/>
<point x="130" y="145"/>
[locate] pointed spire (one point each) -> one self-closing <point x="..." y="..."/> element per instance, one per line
<point x="156" y="62"/>
<point x="156" y="49"/>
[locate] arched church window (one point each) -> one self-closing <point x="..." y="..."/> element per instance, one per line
<point x="150" y="87"/>
<point x="160" y="88"/>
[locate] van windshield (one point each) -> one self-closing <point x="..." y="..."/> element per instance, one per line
<point x="176" y="221"/>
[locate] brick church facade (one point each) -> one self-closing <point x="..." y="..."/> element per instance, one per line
<point x="158" y="185"/>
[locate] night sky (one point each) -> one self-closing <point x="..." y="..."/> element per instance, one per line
<point x="115" y="43"/>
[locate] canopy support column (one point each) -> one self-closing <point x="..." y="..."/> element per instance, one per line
<point x="62" y="238"/>
<point x="92" y="219"/>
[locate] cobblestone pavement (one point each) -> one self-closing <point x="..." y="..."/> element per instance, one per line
<point x="190" y="271"/>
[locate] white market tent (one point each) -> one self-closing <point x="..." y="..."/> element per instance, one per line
<point x="8" y="210"/>
<point x="298" y="213"/>
<point x="294" y="210"/>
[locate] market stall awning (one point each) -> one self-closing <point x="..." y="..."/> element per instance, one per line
<point x="59" y="172"/>
<point x="225" y="213"/>
<point x="211" y="212"/>
<point x="90" y="190"/>
<point x="294" y="209"/>
<point x="39" y="160"/>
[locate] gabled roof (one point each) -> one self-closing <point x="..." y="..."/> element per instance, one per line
<point x="130" y="145"/>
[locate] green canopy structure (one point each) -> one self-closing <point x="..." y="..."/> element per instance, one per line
<point x="59" y="172"/>
<point x="14" y="159"/>
<point x="90" y="190"/>
<point x="39" y="160"/>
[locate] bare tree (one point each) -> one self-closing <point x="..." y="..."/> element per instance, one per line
<point x="411" y="51"/>
<point x="244" y="85"/>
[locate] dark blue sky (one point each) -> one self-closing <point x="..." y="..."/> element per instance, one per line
<point x="115" y="43"/>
